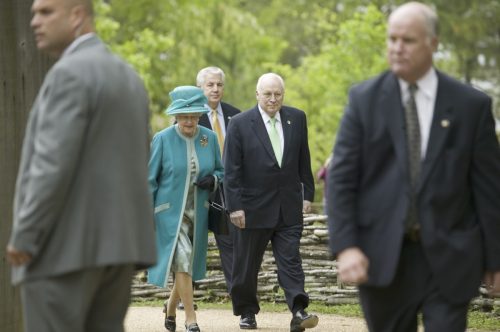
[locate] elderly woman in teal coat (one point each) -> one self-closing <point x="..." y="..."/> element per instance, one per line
<point x="184" y="167"/>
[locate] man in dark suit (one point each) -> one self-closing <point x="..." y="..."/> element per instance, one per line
<point x="83" y="217"/>
<point x="211" y="80"/>
<point x="268" y="184"/>
<point x="414" y="187"/>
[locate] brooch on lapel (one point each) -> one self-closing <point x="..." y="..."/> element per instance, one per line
<point x="204" y="140"/>
<point x="289" y="122"/>
<point x="229" y="118"/>
<point x="445" y="123"/>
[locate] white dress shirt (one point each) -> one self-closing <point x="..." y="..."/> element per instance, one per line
<point x="267" y="120"/>
<point x="220" y="116"/>
<point x="425" y="98"/>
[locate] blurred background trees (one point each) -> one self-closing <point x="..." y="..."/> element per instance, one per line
<point x="320" y="47"/>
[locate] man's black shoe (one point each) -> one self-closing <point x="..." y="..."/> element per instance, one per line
<point x="248" y="322"/>
<point x="302" y="320"/>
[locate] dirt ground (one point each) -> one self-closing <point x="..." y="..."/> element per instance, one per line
<point x="150" y="319"/>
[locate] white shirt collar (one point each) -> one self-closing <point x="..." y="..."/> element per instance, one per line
<point x="427" y="84"/>
<point x="77" y="42"/>
<point x="266" y="116"/>
<point x="218" y="109"/>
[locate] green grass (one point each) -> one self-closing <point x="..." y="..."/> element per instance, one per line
<point x="478" y="321"/>
<point x="484" y="321"/>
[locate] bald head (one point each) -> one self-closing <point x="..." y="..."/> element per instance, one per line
<point x="270" y="77"/>
<point x="270" y="93"/>
<point x="411" y="40"/>
<point x="424" y="13"/>
<point x="57" y="23"/>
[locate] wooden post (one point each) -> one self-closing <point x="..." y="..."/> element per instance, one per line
<point x="22" y="69"/>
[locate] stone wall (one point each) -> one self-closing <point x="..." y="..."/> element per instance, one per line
<point x="319" y="268"/>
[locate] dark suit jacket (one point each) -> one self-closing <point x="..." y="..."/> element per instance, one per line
<point x="228" y="111"/>
<point x="458" y="194"/>
<point x="253" y="180"/>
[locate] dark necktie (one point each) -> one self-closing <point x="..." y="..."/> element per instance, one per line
<point x="414" y="152"/>
<point x="413" y="136"/>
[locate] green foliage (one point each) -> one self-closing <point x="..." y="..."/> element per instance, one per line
<point x="106" y="26"/>
<point x="320" y="85"/>
<point x="320" y="47"/>
<point x="169" y="41"/>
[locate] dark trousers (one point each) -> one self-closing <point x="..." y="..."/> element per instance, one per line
<point x="249" y="248"/>
<point x="394" y="308"/>
<point x="225" y="245"/>
<point x="90" y="300"/>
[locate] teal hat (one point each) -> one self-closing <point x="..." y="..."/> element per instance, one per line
<point x="187" y="99"/>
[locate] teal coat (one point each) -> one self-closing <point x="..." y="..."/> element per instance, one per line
<point x="169" y="182"/>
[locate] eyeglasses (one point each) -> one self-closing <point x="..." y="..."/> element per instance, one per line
<point x="269" y="95"/>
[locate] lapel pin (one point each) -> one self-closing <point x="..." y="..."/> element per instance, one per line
<point x="228" y="118"/>
<point x="445" y="123"/>
<point x="204" y="140"/>
<point x="288" y="121"/>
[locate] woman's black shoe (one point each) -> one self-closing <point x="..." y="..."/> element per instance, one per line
<point x="193" y="328"/>
<point x="169" y="320"/>
<point x="170" y="323"/>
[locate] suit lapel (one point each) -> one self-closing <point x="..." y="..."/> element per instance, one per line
<point x="205" y="121"/>
<point x="260" y="130"/>
<point x="226" y="116"/>
<point x="442" y="122"/>
<point x="286" y="123"/>
<point x="391" y="96"/>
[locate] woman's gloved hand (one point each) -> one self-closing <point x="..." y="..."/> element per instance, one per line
<point x="207" y="182"/>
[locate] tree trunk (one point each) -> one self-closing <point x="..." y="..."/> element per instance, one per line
<point x="21" y="73"/>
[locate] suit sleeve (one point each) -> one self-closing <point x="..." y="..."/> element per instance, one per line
<point x="233" y="167"/>
<point x="485" y="177"/>
<point x="305" y="170"/>
<point x="342" y="183"/>
<point x="219" y="168"/>
<point x="60" y="133"/>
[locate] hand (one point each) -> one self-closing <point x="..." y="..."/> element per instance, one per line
<point x="306" y="207"/>
<point x="16" y="257"/>
<point x="207" y="183"/>
<point x="492" y="282"/>
<point x="238" y="218"/>
<point x="352" y="266"/>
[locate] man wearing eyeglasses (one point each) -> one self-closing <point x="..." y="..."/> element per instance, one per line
<point x="268" y="185"/>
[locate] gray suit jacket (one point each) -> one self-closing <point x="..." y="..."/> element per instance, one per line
<point x="82" y="196"/>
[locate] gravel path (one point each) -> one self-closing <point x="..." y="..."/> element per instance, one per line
<point x="150" y="319"/>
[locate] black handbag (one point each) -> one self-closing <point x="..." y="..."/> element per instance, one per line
<point x="218" y="216"/>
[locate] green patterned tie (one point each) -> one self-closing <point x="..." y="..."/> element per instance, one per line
<point x="275" y="140"/>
